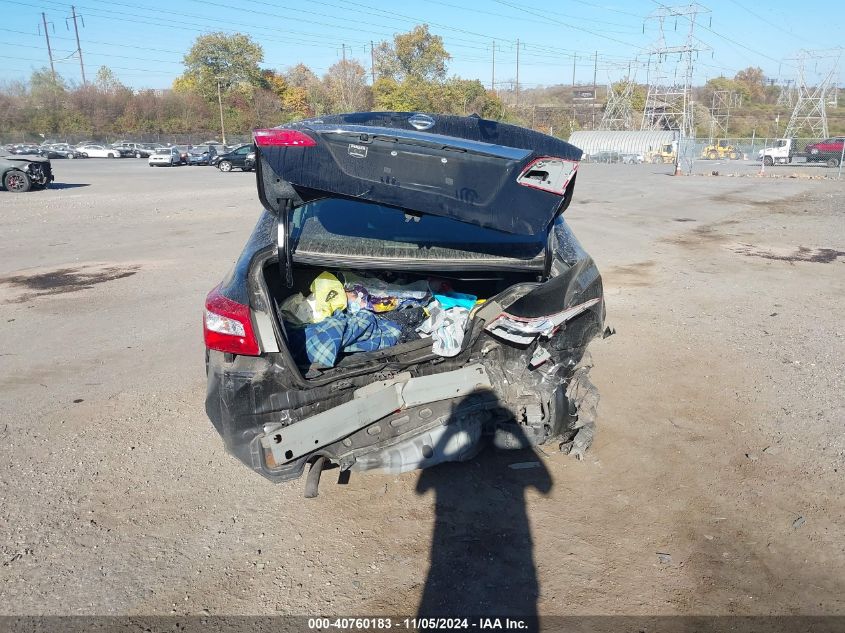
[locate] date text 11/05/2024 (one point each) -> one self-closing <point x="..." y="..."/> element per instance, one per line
<point x="413" y="624"/>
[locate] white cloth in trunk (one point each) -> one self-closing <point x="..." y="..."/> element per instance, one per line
<point x="446" y="328"/>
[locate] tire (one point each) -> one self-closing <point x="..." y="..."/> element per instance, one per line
<point x="712" y="154"/>
<point x="17" y="181"/>
<point x="137" y="154"/>
<point x="733" y="156"/>
<point x="111" y="155"/>
<point x="768" y="161"/>
<point x="224" y="165"/>
<point x="656" y="160"/>
<point x="71" y="156"/>
<point x="833" y="162"/>
<point x="84" y="154"/>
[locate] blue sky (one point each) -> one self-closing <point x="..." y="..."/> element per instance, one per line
<point x="143" y="42"/>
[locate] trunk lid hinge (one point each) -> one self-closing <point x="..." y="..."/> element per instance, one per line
<point x="549" y="252"/>
<point x="283" y="243"/>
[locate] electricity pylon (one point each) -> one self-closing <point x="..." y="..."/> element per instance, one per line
<point x="810" y="112"/>
<point x="668" y="105"/>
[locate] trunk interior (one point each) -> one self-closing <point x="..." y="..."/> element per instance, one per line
<point x="483" y="285"/>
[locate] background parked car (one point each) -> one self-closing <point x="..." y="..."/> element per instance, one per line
<point x="827" y="151"/>
<point x="235" y="158"/>
<point x="165" y="157"/>
<point x="130" y="150"/>
<point x="98" y="151"/>
<point x="19" y="173"/>
<point x="606" y="156"/>
<point x="201" y="154"/>
<point x="23" y="149"/>
<point x="633" y="159"/>
<point x="249" y="163"/>
<point x="63" y="150"/>
<point x="184" y="153"/>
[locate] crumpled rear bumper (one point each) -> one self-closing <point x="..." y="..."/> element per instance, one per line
<point x="395" y="425"/>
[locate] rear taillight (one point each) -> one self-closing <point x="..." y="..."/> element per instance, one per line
<point x="277" y="137"/>
<point x="549" y="174"/>
<point x="227" y="326"/>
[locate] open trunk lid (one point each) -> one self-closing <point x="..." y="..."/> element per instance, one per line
<point x="482" y="172"/>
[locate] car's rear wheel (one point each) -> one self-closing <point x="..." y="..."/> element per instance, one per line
<point x="833" y="162"/>
<point x="224" y="165"/>
<point x="71" y="156"/>
<point x="17" y="181"/>
<point x="84" y="155"/>
<point x="137" y="154"/>
<point x="111" y="155"/>
<point x="768" y="161"/>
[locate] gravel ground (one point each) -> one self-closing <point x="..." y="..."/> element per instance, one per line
<point x="714" y="485"/>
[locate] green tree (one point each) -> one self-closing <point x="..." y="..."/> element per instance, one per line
<point x="753" y="80"/>
<point x="233" y="60"/>
<point x="47" y="95"/>
<point x="305" y="95"/>
<point x="107" y="81"/>
<point x="346" y="87"/>
<point x="467" y="96"/>
<point x="417" y="54"/>
<point x="410" y="95"/>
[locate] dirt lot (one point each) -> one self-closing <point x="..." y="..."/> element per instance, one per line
<point x="714" y="485"/>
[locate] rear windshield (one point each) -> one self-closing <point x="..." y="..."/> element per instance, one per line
<point x="352" y="228"/>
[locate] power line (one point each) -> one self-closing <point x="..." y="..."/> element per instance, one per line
<point x="570" y="26"/>
<point x="772" y="24"/>
<point x="726" y="38"/>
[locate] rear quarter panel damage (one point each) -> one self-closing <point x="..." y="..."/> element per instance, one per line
<point x="249" y="397"/>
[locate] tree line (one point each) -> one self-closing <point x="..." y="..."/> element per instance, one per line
<point x="409" y="73"/>
<point x="222" y="69"/>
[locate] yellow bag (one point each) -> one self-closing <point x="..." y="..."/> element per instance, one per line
<point x="329" y="295"/>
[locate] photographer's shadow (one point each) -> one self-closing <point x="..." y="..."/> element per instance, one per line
<point x="482" y="559"/>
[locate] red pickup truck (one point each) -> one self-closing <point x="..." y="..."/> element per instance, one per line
<point x="828" y="151"/>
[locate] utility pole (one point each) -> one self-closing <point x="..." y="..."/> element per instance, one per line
<point x="372" y="62"/>
<point x="517" y="73"/>
<point x="49" y="50"/>
<point x="78" y="47"/>
<point x="220" y="103"/>
<point x="344" y="53"/>
<point x="493" y="76"/>
<point x="595" y="88"/>
<point x="574" y="59"/>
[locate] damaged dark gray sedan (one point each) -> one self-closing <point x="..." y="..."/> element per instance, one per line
<point x="410" y="292"/>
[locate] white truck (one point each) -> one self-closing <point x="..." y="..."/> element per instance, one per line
<point x="779" y="153"/>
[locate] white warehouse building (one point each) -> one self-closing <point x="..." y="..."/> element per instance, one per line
<point x="644" y="142"/>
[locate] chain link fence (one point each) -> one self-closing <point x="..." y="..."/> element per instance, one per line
<point x="738" y="156"/>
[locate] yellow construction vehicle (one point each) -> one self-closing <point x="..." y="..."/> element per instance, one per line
<point x="664" y="154"/>
<point x="721" y="149"/>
